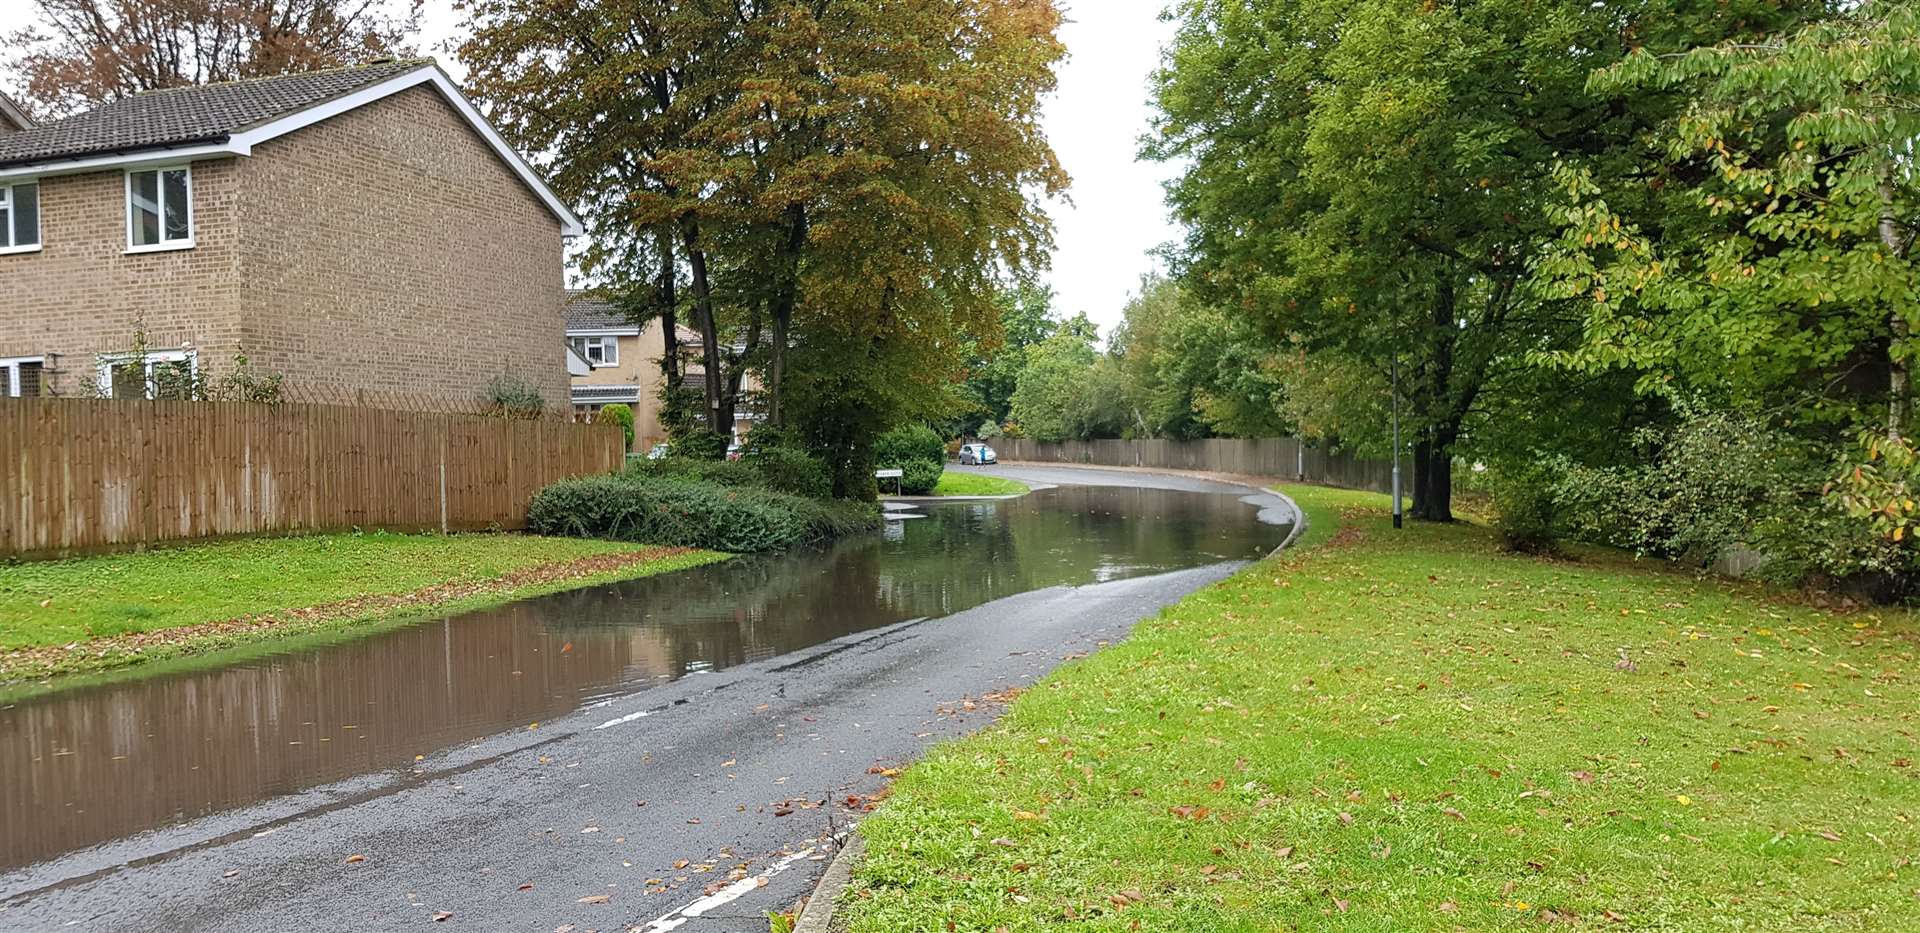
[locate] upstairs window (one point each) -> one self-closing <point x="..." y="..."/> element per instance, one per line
<point x="159" y="209"/>
<point x="21" y="376"/>
<point x="19" y="217"/>
<point x="600" y="351"/>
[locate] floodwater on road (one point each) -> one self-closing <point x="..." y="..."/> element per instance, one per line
<point x="89" y="764"/>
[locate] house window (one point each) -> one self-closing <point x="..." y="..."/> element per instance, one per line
<point x="20" y="217"/>
<point x="157" y="374"/>
<point x="159" y="209"/>
<point x="600" y="351"/>
<point x="22" y="376"/>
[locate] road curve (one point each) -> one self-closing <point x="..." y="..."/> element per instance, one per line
<point x="748" y="770"/>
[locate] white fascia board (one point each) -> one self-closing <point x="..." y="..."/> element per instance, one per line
<point x="123" y="161"/>
<point x="243" y="142"/>
<point x="603" y="332"/>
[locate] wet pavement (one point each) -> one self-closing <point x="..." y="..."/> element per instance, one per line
<point x="742" y="703"/>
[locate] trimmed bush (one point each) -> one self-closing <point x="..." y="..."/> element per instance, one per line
<point x="918" y="451"/>
<point x="677" y="512"/>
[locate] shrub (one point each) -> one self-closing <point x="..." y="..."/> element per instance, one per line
<point x="677" y="512"/>
<point x="791" y="470"/>
<point x="918" y="451"/>
<point x="621" y="415"/>
<point x="919" y="477"/>
<point x="510" y="396"/>
<point x="908" y="443"/>
<point x="1523" y="499"/>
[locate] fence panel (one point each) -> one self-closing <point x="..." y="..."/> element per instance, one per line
<point x="1276" y="456"/>
<point x="80" y="475"/>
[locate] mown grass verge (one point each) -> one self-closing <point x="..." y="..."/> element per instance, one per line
<point x="98" y="613"/>
<point x="977" y="484"/>
<point x="1416" y="731"/>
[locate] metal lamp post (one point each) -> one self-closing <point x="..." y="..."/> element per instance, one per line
<point x="1397" y="511"/>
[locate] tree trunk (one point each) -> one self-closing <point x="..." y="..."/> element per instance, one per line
<point x="783" y="305"/>
<point x="1433" y="451"/>
<point x="1432" y="481"/>
<point x="1899" y="377"/>
<point x="669" y="315"/>
<point x="703" y="319"/>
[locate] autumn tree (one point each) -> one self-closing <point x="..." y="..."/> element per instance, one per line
<point x="83" y="53"/>
<point x="841" y="185"/>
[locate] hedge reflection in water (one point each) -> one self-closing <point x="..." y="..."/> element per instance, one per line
<point x="90" y="764"/>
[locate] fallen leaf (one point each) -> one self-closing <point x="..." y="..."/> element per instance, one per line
<point x="595" y="899"/>
<point x="443" y="916"/>
<point x="526" y="887"/>
<point x="351" y="859"/>
<point x="1449" y="811"/>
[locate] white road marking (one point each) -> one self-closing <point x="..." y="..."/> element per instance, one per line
<point x="623" y="720"/>
<point x="673" y="919"/>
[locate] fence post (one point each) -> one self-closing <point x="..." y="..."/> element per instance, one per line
<point x="443" y="475"/>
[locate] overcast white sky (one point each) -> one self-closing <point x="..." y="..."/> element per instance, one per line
<point x="1094" y="122"/>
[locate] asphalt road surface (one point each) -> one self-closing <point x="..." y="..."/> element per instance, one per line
<point x="696" y="806"/>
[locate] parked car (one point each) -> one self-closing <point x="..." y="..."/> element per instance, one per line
<point x="735" y="451"/>
<point x="658" y="452"/>
<point x="973" y="454"/>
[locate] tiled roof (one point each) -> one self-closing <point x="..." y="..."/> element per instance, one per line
<point x="601" y="394"/>
<point x="588" y="311"/>
<point x="189" y="115"/>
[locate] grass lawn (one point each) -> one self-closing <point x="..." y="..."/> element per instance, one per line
<point x="1416" y="731"/>
<point x="124" y="608"/>
<point x="977" y="484"/>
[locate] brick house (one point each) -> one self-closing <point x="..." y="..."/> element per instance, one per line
<point x="12" y="118"/>
<point x="623" y="366"/>
<point x="355" y="229"/>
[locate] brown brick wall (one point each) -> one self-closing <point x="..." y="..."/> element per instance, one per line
<point x="388" y="248"/>
<point x="82" y="294"/>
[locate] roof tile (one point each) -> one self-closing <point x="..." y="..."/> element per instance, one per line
<point x="188" y="115"/>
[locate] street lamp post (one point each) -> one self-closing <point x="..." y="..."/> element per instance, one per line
<point x="1397" y="512"/>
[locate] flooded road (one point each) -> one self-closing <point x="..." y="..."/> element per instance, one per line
<point x="91" y="764"/>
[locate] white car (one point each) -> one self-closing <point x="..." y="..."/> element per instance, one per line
<point x="972" y="454"/>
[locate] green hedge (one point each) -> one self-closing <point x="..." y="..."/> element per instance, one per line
<point x="690" y="513"/>
<point x="918" y="451"/>
<point x="779" y="469"/>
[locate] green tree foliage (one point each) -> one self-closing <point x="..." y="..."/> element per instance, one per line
<point x="831" y="192"/>
<point x="994" y="360"/>
<point x="1371" y="178"/>
<point x="1052" y="394"/>
<point x="1771" y="265"/>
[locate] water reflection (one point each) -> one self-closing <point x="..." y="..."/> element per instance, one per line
<point x="86" y="765"/>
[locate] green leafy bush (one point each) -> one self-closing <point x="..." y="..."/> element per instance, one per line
<point x="678" y="512"/>
<point x="918" y="451"/>
<point x="1720" y="480"/>
<point x="621" y="415"/>
<point x="1523" y="498"/>
<point x="791" y="470"/>
<point x="908" y="443"/>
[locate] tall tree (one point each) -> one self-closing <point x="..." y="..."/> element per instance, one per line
<point x="83" y="53"/>
<point x="1371" y="178"/>
<point x="845" y="180"/>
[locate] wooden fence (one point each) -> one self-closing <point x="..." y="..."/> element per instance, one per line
<point x="81" y="475"/>
<point x="1281" y="457"/>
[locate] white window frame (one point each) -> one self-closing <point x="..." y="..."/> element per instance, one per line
<point x="609" y="345"/>
<point x="6" y="218"/>
<point x="160" y="190"/>
<point x="110" y="360"/>
<point x="10" y="373"/>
